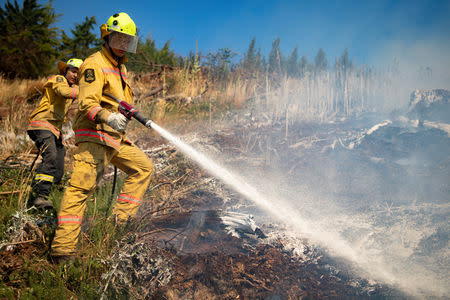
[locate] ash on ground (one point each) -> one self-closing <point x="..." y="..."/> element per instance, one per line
<point x="379" y="183"/>
<point x="206" y="247"/>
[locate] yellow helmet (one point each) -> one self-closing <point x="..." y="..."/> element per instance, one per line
<point x="120" y="22"/>
<point x="71" y="63"/>
<point x="74" y="63"/>
<point x="126" y="38"/>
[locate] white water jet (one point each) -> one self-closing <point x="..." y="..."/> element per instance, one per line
<point x="285" y="213"/>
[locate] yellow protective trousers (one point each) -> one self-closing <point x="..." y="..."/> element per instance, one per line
<point x="90" y="161"/>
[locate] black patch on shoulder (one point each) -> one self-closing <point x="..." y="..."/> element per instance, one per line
<point x="59" y="79"/>
<point x="89" y="75"/>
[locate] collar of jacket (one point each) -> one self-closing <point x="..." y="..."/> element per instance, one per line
<point x="110" y="57"/>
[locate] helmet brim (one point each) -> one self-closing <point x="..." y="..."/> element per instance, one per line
<point x="62" y="66"/>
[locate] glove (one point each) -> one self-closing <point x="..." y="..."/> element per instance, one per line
<point x="117" y="121"/>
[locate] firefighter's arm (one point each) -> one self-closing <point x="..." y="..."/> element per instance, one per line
<point x="62" y="88"/>
<point x="91" y="87"/>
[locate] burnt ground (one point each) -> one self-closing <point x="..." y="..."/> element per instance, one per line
<point x="203" y="259"/>
<point x="180" y="248"/>
<point x="393" y="178"/>
<point x="191" y="256"/>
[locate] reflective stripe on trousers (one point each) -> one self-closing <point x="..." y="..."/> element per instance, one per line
<point x="89" y="164"/>
<point x="43" y="177"/>
<point x="51" y="169"/>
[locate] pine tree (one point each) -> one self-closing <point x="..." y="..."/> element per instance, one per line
<point x="83" y="41"/>
<point x="344" y="63"/>
<point x="28" y="43"/>
<point x="220" y="63"/>
<point x="225" y="59"/>
<point x="260" y="61"/>
<point x="321" y="61"/>
<point x="264" y="66"/>
<point x="275" y="57"/>
<point x="249" y="62"/>
<point x="291" y="65"/>
<point x="165" y="56"/>
<point x="148" y="57"/>
<point x="303" y="66"/>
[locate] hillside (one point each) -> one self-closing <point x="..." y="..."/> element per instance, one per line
<point x="343" y="201"/>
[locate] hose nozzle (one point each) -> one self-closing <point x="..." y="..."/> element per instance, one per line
<point x="149" y="124"/>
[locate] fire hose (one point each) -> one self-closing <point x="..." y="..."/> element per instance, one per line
<point x="129" y="112"/>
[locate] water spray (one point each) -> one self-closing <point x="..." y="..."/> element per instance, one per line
<point x="279" y="208"/>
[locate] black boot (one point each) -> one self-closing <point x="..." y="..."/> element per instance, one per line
<point x="40" y="202"/>
<point x="62" y="259"/>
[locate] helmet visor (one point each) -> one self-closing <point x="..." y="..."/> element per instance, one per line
<point x="122" y="41"/>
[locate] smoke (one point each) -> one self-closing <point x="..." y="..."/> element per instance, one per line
<point x="421" y="64"/>
<point x="380" y="237"/>
<point x="361" y="220"/>
<point x="366" y="196"/>
<point x="378" y="198"/>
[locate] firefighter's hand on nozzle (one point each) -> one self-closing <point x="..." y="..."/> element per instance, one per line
<point x="117" y="121"/>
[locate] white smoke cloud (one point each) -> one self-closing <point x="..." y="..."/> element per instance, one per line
<point x="414" y="57"/>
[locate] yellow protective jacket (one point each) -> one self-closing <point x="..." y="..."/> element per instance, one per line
<point x="100" y="73"/>
<point x="52" y="110"/>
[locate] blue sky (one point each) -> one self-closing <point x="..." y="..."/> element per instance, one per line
<point x="370" y="29"/>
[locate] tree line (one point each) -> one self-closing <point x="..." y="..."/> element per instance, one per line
<point x="222" y="63"/>
<point x="30" y="45"/>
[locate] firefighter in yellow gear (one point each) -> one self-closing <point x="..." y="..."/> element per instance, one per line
<point x="100" y="136"/>
<point x="45" y="127"/>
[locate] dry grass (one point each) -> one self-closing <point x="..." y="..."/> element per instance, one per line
<point x="237" y="91"/>
<point x="13" y="89"/>
<point x="194" y="98"/>
<point x="188" y="97"/>
<point x="17" y="99"/>
<point x="189" y="84"/>
<point x="325" y="97"/>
